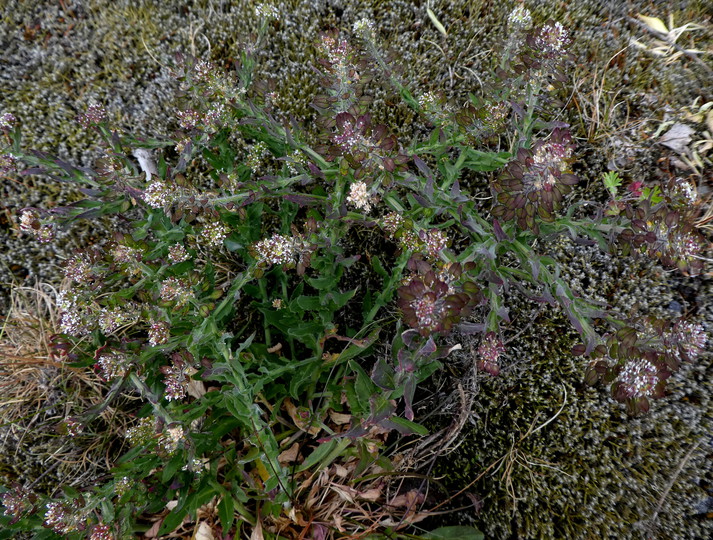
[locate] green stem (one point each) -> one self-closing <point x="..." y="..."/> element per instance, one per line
<point x="265" y="325"/>
<point x="146" y="392"/>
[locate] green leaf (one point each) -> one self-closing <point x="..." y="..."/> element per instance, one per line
<point x="324" y="454"/>
<point x="173" y="519"/>
<point x="171" y="468"/>
<point x="378" y="267"/>
<point x="484" y="161"/>
<point x="309" y="303"/>
<point x="411" y="427"/>
<point x="338" y="299"/>
<point x="611" y="181"/>
<point x="323" y="283"/>
<point x="456" y="532"/>
<point x="226" y="512"/>
<point x="356" y="350"/>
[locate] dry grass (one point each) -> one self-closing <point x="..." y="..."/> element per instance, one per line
<point x="37" y="393"/>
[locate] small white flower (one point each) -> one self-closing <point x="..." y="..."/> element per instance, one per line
<point x="158" y="194"/>
<point x="276" y="250"/>
<point x="359" y="196"/>
<point x="266" y="10"/>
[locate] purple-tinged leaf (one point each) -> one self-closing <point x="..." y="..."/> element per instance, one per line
<point x="420" y="200"/>
<point x="409" y="336"/>
<point x="500" y="235"/>
<point x="301" y="200"/>
<point x="428" y="348"/>
<point x="470" y="328"/>
<point x="409" y="391"/>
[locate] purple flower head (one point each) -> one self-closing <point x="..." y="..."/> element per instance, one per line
<point x="433" y="300"/>
<point x="490" y="350"/>
<point x="535" y="183"/>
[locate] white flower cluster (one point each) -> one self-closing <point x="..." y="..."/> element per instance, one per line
<point x="266" y="11"/>
<point x="359" y="196"/>
<point x="30" y="223"/>
<point x="142" y="432"/>
<point x="169" y="440"/>
<point x="61" y="517"/>
<point x="254" y="158"/>
<point x="689" y="336"/>
<point x="519" y="18"/>
<point x="428" y="100"/>
<point x="685" y="190"/>
<point x="8" y="164"/>
<point x="158" y="194"/>
<point x="73" y="317"/>
<point x="7" y="121"/>
<point x="436" y="240"/>
<point x="176" y="384"/>
<point x="213" y="233"/>
<point x="639" y="378"/>
<point x="552" y="40"/>
<point x="159" y="332"/>
<point x="78" y="268"/>
<point x="277" y="249"/>
<point x="177" y="254"/>
<point x="175" y="290"/>
<point x="112" y="365"/>
<point x="101" y="531"/>
<point x="110" y="319"/>
<point x="73" y="427"/>
<point x="365" y="28"/>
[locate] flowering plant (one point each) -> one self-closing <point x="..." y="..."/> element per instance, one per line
<point x="237" y="300"/>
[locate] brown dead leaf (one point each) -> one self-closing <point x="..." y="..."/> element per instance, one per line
<point x="203" y="532"/>
<point x="339" y="418"/>
<point x="407" y="520"/>
<point x="407" y="500"/>
<point x="345" y="492"/>
<point x="677" y="138"/>
<point x="371" y="495"/>
<point x="341" y="471"/>
<point x="289" y="455"/>
<point x="196" y="389"/>
<point x="257" y="532"/>
<point x="153" y="530"/>
<point x="301" y="418"/>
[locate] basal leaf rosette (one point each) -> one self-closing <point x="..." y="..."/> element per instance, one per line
<point x="434" y="299"/>
<point x="535" y="182"/>
<point x="664" y="234"/>
<point x="636" y="375"/>
<point x="636" y="362"/>
<point x="367" y="148"/>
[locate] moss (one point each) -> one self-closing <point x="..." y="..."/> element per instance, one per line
<point x="593" y="471"/>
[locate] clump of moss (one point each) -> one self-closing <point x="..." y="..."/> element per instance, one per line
<point x="588" y="469"/>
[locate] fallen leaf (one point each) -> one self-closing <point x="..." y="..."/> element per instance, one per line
<point x="301" y="418"/>
<point x="406" y="500"/>
<point x="195" y="389"/>
<point x="345" y="492"/>
<point x="153" y="531"/>
<point x="340" y="418"/>
<point x="289" y="455"/>
<point x="371" y="495"/>
<point x="203" y="532"/>
<point x="677" y="138"/>
<point x="257" y="532"/>
<point x="656" y="24"/>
